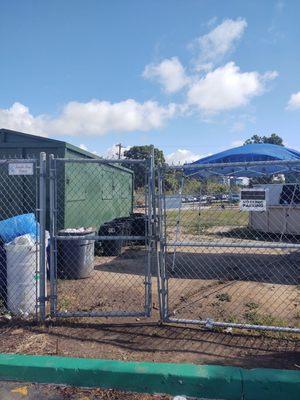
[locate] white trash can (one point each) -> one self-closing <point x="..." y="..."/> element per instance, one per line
<point x="22" y="261"/>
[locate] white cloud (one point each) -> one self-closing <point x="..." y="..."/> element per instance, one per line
<point x="182" y="156"/>
<point x="269" y="75"/>
<point x="294" y="102"/>
<point x="237" y="143"/>
<point x="220" y="41"/>
<point x="100" y="117"/>
<point x="227" y="88"/>
<point x="18" y="118"/>
<point x="169" y="73"/>
<point x="212" y="91"/>
<point x="84" y="147"/>
<point x="94" y="118"/>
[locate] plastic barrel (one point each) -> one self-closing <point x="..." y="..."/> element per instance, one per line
<point x="75" y="258"/>
<point x="22" y="261"/>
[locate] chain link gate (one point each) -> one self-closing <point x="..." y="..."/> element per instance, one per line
<point x="229" y="250"/>
<point x="114" y="200"/>
<point x="22" y="237"/>
<point x="220" y="262"/>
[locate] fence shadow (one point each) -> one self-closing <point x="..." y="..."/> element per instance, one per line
<point x="133" y="261"/>
<point x="239" y="264"/>
<point x="152" y="342"/>
<point x="247" y="233"/>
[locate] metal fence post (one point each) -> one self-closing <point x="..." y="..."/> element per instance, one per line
<point x="162" y="247"/>
<point x="150" y="241"/>
<point x="159" y="247"/>
<point x="52" y="210"/>
<point x="42" y="238"/>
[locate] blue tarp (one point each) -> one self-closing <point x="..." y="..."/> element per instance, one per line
<point x="248" y="153"/>
<point x="17" y="226"/>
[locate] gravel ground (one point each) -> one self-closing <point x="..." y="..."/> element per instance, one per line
<point x="19" y="390"/>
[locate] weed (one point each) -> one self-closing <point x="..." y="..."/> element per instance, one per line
<point x="233" y="319"/>
<point x="252" y="305"/>
<point x="255" y="318"/>
<point x="64" y="304"/>
<point x="223" y="297"/>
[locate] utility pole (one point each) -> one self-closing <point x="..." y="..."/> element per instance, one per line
<point x="120" y="147"/>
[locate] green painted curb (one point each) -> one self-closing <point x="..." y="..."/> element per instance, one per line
<point x="191" y="380"/>
<point x="263" y="383"/>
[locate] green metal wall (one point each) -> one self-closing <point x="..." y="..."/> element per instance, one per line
<point x="13" y="189"/>
<point x="95" y="193"/>
<point x="88" y="194"/>
<point x="19" y="193"/>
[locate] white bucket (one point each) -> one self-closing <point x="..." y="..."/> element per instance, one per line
<point x="22" y="260"/>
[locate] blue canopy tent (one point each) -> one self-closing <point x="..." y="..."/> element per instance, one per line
<point x="247" y="161"/>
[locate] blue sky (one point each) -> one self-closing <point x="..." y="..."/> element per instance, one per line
<point x="192" y="77"/>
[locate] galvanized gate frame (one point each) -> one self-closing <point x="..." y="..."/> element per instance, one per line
<point x="162" y="244"/>
<point x="39" y="200"/>
<point x="150" y="236"/>
<point x="157" y="245"/>
<point x="42" y="275"/>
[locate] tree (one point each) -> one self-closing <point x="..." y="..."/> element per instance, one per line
<point x="272" y="139"/>
<point x="141" y="153"/>
<point x="216" y="187"/>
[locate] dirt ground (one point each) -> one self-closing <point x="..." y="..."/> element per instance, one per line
<point x="146" y="340"/>
<point x="229" y="284"/>
<point x="260" y="287"/>
<point x="256" y="286"/>
<point x="116" y="284"/>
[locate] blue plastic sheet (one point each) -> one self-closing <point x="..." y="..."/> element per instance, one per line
<point x="17" y="226"/>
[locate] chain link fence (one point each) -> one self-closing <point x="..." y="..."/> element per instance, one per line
<point x="101" y="250"/>
<point x="221" y="242"/>
<point x="22" y="259"/>
<point x="230" y="246"/>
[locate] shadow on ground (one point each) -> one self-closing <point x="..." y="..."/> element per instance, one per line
<point x="239" y="264"/>
<point x="149" y="341"/>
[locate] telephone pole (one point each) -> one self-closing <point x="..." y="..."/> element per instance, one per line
<point x="120" y="147"/>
